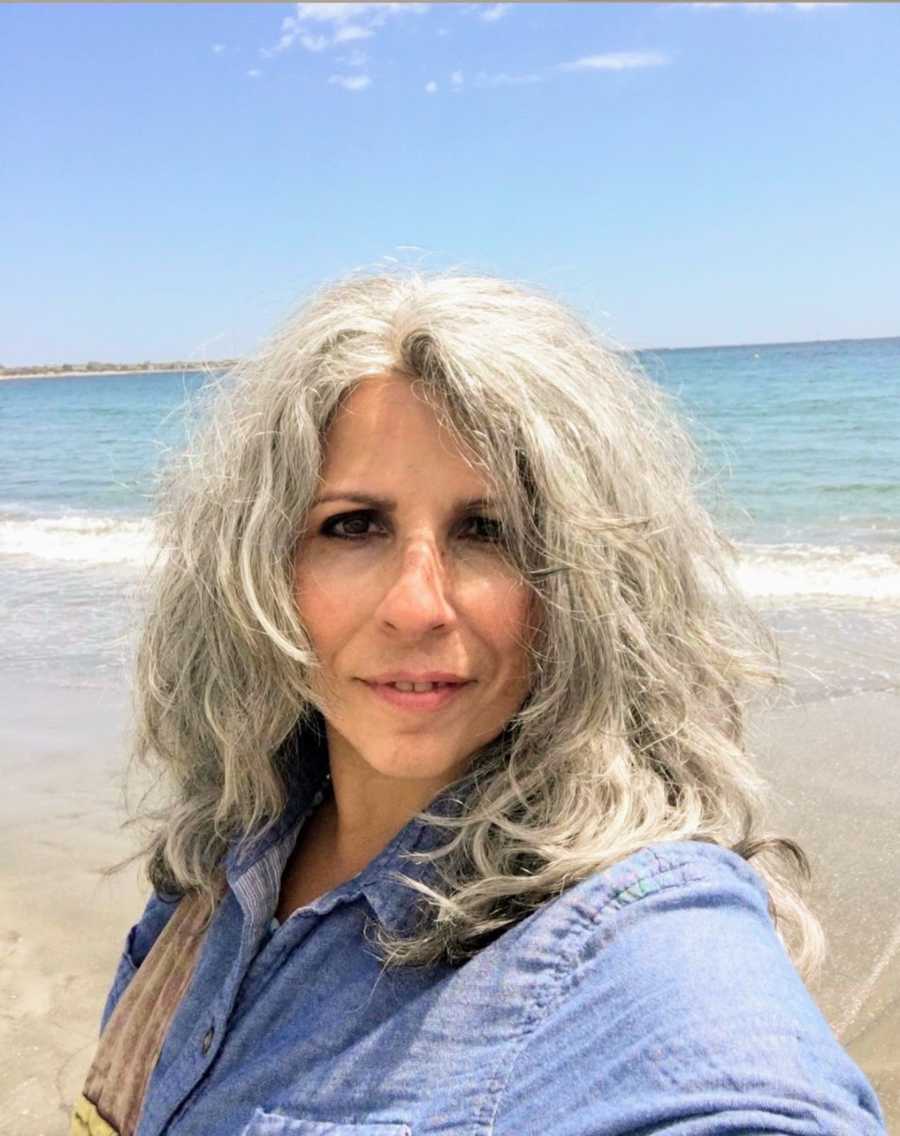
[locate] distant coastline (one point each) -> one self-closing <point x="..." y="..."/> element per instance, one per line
<point x="85" y="370"/>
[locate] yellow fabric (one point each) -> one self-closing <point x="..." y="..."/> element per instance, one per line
<point x="87" y="1121"/>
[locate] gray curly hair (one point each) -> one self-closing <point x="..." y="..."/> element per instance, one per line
<point x="633" y="730"/>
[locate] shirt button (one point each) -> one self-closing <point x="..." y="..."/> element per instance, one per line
<point x="207" y="1039"/>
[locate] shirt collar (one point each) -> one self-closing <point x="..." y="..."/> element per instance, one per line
<point x="395" y="903"/>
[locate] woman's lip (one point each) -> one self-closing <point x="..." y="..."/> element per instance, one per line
<point x="423" y="700"/>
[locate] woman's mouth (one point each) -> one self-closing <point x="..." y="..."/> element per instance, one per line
<point x="404" y="696"/>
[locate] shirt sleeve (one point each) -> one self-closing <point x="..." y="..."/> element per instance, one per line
<point x="138" y="942"/>
<point x="682" y="1015"/>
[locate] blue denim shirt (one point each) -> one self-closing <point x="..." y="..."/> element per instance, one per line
<point x="653" y="997"/>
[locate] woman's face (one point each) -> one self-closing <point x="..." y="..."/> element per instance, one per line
<point x="417" y="584"/>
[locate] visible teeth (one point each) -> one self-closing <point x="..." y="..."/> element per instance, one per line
<point x="418" y="687"/>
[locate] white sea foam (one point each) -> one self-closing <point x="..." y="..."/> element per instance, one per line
<point x="808" y="570"/>
<point x="78" y="538"/>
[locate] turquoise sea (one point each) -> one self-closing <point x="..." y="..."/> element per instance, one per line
<point x="802" y="449"/>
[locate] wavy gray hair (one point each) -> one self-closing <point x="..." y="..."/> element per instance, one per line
<point x="633" y="729"/>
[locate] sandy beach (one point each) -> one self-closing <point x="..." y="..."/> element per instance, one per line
<point x="832" y="764"/>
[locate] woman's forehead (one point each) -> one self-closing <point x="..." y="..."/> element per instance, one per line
<point x="385" y="426"/>
<point x="378" y="395"/>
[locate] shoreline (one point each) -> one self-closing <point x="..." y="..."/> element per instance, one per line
<point x="112" y="374"/>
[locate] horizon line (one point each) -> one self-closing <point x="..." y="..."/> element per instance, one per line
<point x="773" y="343"/>
<point x="148" y="366"/>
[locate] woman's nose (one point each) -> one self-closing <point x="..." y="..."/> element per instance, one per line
<point x="419" y="587"/>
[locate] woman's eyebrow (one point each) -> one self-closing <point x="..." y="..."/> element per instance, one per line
<point x="388" y="505"/>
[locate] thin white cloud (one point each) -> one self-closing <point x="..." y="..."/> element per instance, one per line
<point x="218" y="48"/>
<point x="347" y="32"/>
<point x="492" y="12"/>
<point x="431" y="87"/>
<point x="337" y="23"/>
<point x="289" y="32"/>
<point x="314" y="42"/>
<point x="254" y="73"/>
<point x="351" y="82"/>
<point x="616" y="61"/>
<point x="456" y="78"/>
<point x="609" y="61"/>
<point x="376" y="14"/>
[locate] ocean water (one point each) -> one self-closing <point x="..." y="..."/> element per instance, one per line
<point x="801" y="447"/>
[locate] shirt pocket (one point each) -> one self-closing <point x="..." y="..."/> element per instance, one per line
<point x="264" y="1123"/>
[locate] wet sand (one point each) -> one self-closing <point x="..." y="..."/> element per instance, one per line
<point x="832" y="763"/>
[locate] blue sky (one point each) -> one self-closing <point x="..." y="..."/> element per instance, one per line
<point x="179" y="175"/>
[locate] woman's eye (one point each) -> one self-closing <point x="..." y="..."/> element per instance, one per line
<point x="492" y="529"/>
<point x="489" y="530"/>
<point x="329" y="528"/>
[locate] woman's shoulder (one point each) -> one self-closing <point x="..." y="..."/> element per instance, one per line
<point x="677" y="866"/>
<point x="670" y="987"/>
<point x="689" y="920"/>
<point x="673" y="916"/>
<point x="689" y="917"/>
<point x="667" y="876"/>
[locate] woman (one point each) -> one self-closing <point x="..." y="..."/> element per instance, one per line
<point x="444" y="678"/>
